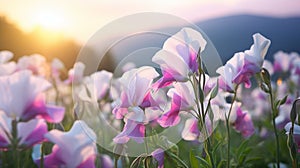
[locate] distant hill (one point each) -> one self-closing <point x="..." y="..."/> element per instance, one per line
<point x="20" y="43"/>
<point x="234" y="33"/>
<point x="229" y="35"/>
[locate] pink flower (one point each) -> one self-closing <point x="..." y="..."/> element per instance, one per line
<point x="106" y="161"/>
<point x="35" y="63"/>
<point x="191" y="130"/>
<point x="56" y="67"/>
<point x="295" y="72"/>
<point x="76" y="73"/>
<point x="243" y="65"/>
<point x="158" y="155"/>
<point x="183" y="99"/>
<point x="243" y="123"/>
<point x="6" y="67"/>
<point x="136" y="104"/>
<point x="96" y="86"/>
<point x="132" y="130"/>
<point x="282" y="62"/>
<point x="136" y="87"/>
<point x="178" y="58"/>
<point x="284" y="115"/>
<point x="22" y="99"/>
<point x="29" y="133"/>
<point x="75" y="148"/>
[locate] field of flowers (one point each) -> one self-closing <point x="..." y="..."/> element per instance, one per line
<point x="247" y="116"/>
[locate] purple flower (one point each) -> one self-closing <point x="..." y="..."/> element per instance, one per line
<point x="136" y="104"/>
<point x="76" y="73"/>
<point x="158" y="155"/>
<point x="29" y="133"/>
<point x="282" y="62"/>
<point x="191" y="130"/>
<point x="35" y="63"/>
<point x="6" y="67"/>
<point x="106" y="161"/>
<point x="182" y="100"/>
<point x="56" y="67"/>
<point x="75" y="148"/>
<point x="243" y="123"/>
<point x="178" y="58"/>
<point x="97" y="85"/>
<point x="132" y="130"/>
<point x="22" y="99"/>
<point x="243" y="65"/>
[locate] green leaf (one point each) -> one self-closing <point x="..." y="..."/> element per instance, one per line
<point x="214" y="92"/>
<point x="193" y="160"/>
<point x="253" y="159"/>
<point x="203" y="162"/>
<point x="282" y="101"/>
<point x="242" y="147"/>
<point x="221" y="164"/>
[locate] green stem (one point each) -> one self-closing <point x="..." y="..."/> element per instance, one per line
<point x="15" y="142"/>
<point x="227" y="117"/>
<point x="145" y="139"/>
<point x="177" y="159"/>
<point x="42" y="156"/>
<point x="116" y="162"/>
<point x="201" y="119"/>
<point x="274" y="125"/>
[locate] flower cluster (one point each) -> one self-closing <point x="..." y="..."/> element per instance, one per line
<point x="221" y="119"/>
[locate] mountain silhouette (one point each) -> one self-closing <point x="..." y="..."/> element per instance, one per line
<point x="234" y="33"/>
<point x="228" y="34"/>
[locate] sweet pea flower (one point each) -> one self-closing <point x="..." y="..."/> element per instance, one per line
<point x="97" y="85"/>
<point x="284" y="115"/>
<point x="191" y="130"/>
<point x="178" y="57"/>
<point x="75" y="148"/>
<point x="56" y="67"/>
<point x="29" y="133"/>
<point x="243" y="65"/>
<point x="35" y="63"/>
<point x="243" y="123"/>
<point x="136" y="102"/>
<point x="229" y="71"/>
<point x="136" y="85"/>
<point x="106" y="161"/>
<point x="22" y="98"/>
<point x="76" y="74"/>
<point x="158" y="155"/>
<point x="183" y="99"/>
<point x="132" y="130"/>
<point x="283" y="62"/>
<point x="295" y="72"/>
<point x="6" y="67"/>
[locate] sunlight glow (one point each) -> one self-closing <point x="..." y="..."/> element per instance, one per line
<point x="50" y="20"/>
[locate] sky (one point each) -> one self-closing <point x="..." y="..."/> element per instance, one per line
<point x="80" y="19"/>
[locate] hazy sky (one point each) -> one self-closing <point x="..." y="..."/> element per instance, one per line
<point x="79" y="19"/>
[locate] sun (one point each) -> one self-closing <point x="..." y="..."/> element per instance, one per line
<point x="50" y="20"/>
